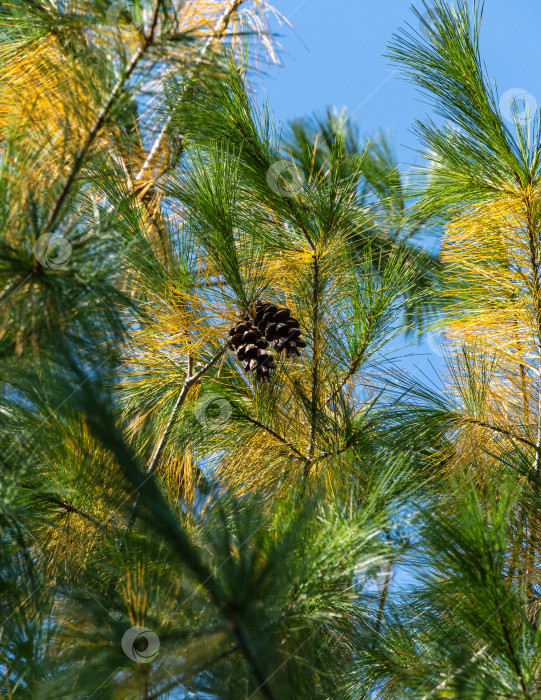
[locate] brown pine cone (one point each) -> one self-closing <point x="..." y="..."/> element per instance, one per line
<point x="277" y="325"/>
<point x="251" y="347"/>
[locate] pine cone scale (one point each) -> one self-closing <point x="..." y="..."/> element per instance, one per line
<point x="279" y="327"/>
<point x="251" y="336"/>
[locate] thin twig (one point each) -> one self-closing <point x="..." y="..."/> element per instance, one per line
<point x="353" y="367"/>
<point x="67" y="507"/>
<point x="202" y="668"/>
<point x="532" y="243"/>
<point x="100" y="119"/>
<point x="188" y="383"/>
<point x="154" y="460"/>
<point x="238" y="632"/>
<point x="446" y="681"/>
<point x="218" y="32"/>
<point x="264" y="160"/>
<point x="381" y="607"/>
<point x="315" y="364"/>
<point x="503" y="431"/>
<point x="272" y="432"/>
<point x="339" y="451"/>
<point x="511" y="651"/>
<point x="356" y="361"/>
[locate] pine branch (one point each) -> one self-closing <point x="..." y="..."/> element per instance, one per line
<point x="272" y="432"/>
<point x="381" y="607"/>
<point x="102" y="115"/>
<point x="353" y="367"/>
<point x="67" y="507"/>
<point x="511" y="651"/>
<point x="264" y="161"/>
<point x="250" y="658"/>
<point x="497" y="429"/>
<point x="536" y="293"/>
<point x="445" y="683"/>
<point x="188" y="383"/>
<point x="219" y="30"/>
<point x="202" y="668"/>
<point x="340" y="450"/>
<point x="315" y="363"/>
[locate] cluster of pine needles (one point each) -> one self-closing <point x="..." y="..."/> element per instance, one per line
<point x="219" y="479"/>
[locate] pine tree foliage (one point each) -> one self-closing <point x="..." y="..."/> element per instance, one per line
<point x="469" y="629"/>
<point x="152" y="489"/>
<point x="131" y="242"/>
<point x="482" y="182"/>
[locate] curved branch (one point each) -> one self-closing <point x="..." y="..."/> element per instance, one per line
<point x="67" y="507"/>
<point x="219" y="29"/>
<point x="100" y="119"/>
<point x="278" y="437"/>
<point x="497" y="429"/>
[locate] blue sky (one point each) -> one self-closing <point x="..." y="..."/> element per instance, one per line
<point x="337" y="59"/>
<point x="342" y="63"/>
